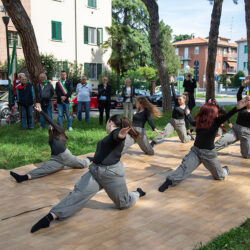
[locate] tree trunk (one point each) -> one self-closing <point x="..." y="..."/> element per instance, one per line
<point x="212" y="47"/>
<point x="26" y="32"/>
<point x="247" y="10"/>
<point x="152" y="8"/>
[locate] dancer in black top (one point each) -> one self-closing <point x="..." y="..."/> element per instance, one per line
<point x="60" y="155"/>
<point x="207" y="123"/>
<point x="241" y="130"/>
<point x="144" y="111"/>
<point x="106" y="172"/>
<point x="189" y="85"/>
<point x="177" y="122"/>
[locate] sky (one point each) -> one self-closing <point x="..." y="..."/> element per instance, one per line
<point x="194" y="16"/>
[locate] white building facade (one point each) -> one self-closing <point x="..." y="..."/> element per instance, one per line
<point x="242" y="57"/>
<point x="73" y="30"/>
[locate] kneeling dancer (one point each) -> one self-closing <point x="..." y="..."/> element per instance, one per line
<point x="106" y="172"/>
<point x="177" y="122"/>
<point x="207" y="123"/>
<point x="240" y="131"/>
<point x="60" y="155"/>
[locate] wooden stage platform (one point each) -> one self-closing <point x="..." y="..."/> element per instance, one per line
<point x="197" y="210"/>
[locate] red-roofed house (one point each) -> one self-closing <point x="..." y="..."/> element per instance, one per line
<point x="195" y="50"/>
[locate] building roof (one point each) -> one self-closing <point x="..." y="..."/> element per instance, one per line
<point x="199" y="40"/>
<point x="241" y="40"/>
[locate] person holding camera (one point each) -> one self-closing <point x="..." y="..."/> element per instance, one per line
<point x="45" y="92"/>
<point x="189" y="85"/>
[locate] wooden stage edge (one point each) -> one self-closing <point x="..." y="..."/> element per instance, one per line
<point x="183" y="217"/>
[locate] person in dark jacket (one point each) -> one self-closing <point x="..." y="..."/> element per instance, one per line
<point x="64" y="89"/>
<point x="103" y="98"/>
<point x="189" y="85"/>
<point x="45" y="92"/>
<point x="25" y="98"/>
<point x="128" y="93"/>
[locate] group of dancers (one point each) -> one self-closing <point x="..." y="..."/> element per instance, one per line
<point x="107" y="172"/>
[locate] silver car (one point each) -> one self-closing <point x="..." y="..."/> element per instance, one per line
<point x="4" y="107"/>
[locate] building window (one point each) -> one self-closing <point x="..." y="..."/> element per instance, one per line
<point x="13" y="36"/>
<point x="225" y="52"/>
<point x="93" y="70"/>
<point x="230" y="52"/>
<point x="196" y="50"/>
<point x="56" y="31"/>
<point x="219" y="65"/>
<point x="185" y="53"/>
<point x="93" y="35"/>
<point x="219" y="51"/>
<point x="246" y="49"/>
<point x="245" y="65"/>
<point x="177" y="51"/>
<point x="92" y="3"/>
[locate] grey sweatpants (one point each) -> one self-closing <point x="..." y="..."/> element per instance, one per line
<point x="57" y="163"/>
<point x="128" y="109"/>
<point x="110" y="178"/>
<point x="193" y="159"/>
<point x="237" y="133"/>
<point x="142" y="142"/>
<point x="174" y="124"/>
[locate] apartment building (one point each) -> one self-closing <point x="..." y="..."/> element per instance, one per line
<point x="71" y="30"/>
<point x="195" y="52"/>
<point x="242" y="58"/>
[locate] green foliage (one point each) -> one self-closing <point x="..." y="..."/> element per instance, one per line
<point x="235" y="81"/>
<point x="147" y="73"/>
<point x="182" y="37"/>
<point x="172" y="60"/>
<point x="49" y="63"/>
<point x="223" y="79"/>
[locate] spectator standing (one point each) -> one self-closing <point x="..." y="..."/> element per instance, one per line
<point x="128" y="93"/>
<point x="83" y="90"/>
<point x="189" y="85"/>
<point x="64" y="89"/>
<point x="25" y="98"/>
<point x="45" y="92"/>
<point x="103" y="97"/>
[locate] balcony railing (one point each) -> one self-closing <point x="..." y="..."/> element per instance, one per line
<point x="229" y="71"/>
<point x="182" y="58"/>
<point x="230" y="59"/>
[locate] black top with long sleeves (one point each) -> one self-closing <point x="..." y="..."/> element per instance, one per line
<point x="243" y="117"/>
<point x="57" y="146"/>
<point x="109" y="149"/>
<point x="140" y="118"/>
<point x="104" y="92"/>
<point x="189" y="86"/>
<point x="205" y="137"/>
<point x="69" y="86"/>
<point x="178" y="113"/>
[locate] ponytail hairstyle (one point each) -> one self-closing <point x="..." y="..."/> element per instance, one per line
<point x="208" y="112"/>
<point x="150" y="107"/>
<point x="54" y="133"/>
<point x="123" y="122"/>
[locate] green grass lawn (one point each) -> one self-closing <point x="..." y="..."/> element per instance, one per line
<point x="217" y="96"/>
<point x="236" y="238"/>
<point x="19" y="148"/>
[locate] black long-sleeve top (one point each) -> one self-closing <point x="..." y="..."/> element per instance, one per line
<point x="57" y="146"/>
<point x="189" y="86"/>
<point x="69" y="86"/>
<point x="178" y="113"/>
<point x="109" y="149"/>
<point x="140" y="118"/>
<point x="243" y="117"/>
<point x="205" y="136"/>
<point x="104" y="92"/>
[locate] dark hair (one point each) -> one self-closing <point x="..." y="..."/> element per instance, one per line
<point x="206" y="115"/>
<point x="53" y="133"/>
<point x="63" y="71"/>
<point x="123" y="122"/>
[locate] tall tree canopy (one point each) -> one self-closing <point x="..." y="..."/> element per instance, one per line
<point x="182" y="37"/>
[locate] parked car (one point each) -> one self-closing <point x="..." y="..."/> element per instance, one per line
<point x="4" y="106"/>
<point x="93" y="102"/>
<point x="156" y="98"/>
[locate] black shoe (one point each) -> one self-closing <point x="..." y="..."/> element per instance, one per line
<point x="43" y="223"/>
<point x="165" y="185"/>
<point x="152" y="143"/>
<point x="141" y="192"/>
<point x="19" y="178"/>
<point x="192" y="138"/>
<point x="227" y="169"/>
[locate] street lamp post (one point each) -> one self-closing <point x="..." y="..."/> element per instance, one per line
<point x="6" y="20"/>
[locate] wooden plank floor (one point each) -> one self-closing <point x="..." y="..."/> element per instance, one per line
<point x="197" y="210"/>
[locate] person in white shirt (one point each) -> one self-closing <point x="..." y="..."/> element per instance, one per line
<point x="83" y="90"/>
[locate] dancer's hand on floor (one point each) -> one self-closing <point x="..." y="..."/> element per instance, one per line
<point x="123" y="132"/>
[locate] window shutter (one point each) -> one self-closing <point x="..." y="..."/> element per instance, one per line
<point x="99" y="36"/>
<point x="94" y="3"/>
<point x="53" y="30"/>
<point x="99" y="69"/>
<point x="59" y="31"/>
<point x="86" y="34"/>
<point x="86" y="69"/>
